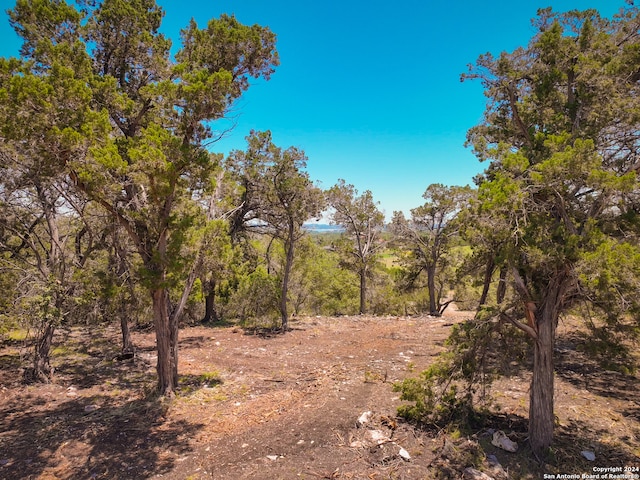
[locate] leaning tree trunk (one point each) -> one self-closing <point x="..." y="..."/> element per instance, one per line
<point x="166" y="343"/>
<point x="488" y="275"/>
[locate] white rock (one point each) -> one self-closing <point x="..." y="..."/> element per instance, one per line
<point x="273" y="458"/>
<point x="501" y="440"/>
<point x="378" y="436"/>
<point x="473" y="474"/>
<point x="364" y="418"/>
<point x="404" y="454"/>
<point x="588" y="455"/>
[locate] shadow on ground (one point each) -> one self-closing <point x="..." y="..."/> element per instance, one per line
<point x="453" y="455"/>
<point x="100" y="419"/>
<point x="130" y="440"/>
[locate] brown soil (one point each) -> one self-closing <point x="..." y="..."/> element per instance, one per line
<point x="286" y="407"/>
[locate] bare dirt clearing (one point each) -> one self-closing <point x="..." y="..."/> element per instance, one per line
<point x="286" y="406"/>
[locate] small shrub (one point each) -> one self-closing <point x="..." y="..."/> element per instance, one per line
<point x="210" y="378"/>
<point x="435" y="399"/>
<point x="454" y="391"/>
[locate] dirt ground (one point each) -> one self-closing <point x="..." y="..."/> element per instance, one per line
<point x="287" y="407"/>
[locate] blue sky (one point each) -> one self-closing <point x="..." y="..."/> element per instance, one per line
<point x="370" y="90"/>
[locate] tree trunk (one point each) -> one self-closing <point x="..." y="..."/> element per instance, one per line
<point x="53" y="268"/>
<point x="210" y="314"/>
<point x="431" y="287"/>
<point x="41" y="370"/>
<point x="541" y="417"/>
<point x="122" y="271"/>
<point x="127" y="344"/>
<point x="502" y="285"/>
<point x="363" y="291"/>
<point x="167" y="366"/>
<point x="488" y="275"/>
<point x="285" y="278"/>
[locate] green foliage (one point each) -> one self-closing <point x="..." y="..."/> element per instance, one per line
<point x="40" y="306"/>
<point x="8" y="282"/>
<point x="98" y="105"/>
<point x="435" y="402"/>
<point x="610" y="273"/>
<point x="466" y="294"/>
<point x="255" y="302"/>
<point x="387" y="297"/>
<point x="210" y="378"/>
<point x="277" y="191"/>
<point x="319" y="285"/>
<point x="455" y="390"/>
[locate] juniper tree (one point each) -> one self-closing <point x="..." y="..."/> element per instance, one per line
<point x="427" y="236"/>
<point x="561" y="131"/>
<point x="136" y="141"/>
<point x="280" y="195"/>
<point x="362" y="221"/>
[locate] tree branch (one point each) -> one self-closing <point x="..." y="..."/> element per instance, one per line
<point x="525" y="328"/>
<point x="513" y="102"/>
<point x="529" y="305"/>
